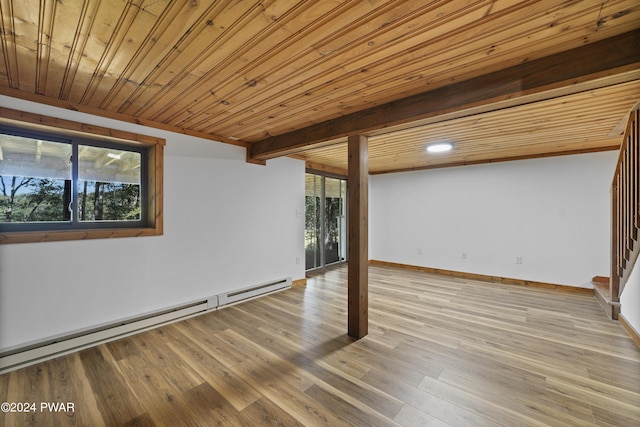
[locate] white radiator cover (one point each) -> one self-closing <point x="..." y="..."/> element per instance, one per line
<point x="253" y="291"/>
<point x="29" y="354"/>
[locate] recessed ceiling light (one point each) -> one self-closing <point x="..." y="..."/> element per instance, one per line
<point x="440" y="147"/>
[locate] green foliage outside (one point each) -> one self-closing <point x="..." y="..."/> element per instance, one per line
<point x="109" y="201"/>
<point x="313" y="241"/>
<point x="44" y="200"/>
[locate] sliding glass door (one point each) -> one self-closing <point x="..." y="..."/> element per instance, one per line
<point x="313" y="221"/>
<point x="325" y="220"/>
<point x="335" y="237"/>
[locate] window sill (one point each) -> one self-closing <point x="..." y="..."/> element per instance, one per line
<point x="57" y="236"/>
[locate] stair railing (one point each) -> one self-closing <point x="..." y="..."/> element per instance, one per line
<point x="625" y="206"/>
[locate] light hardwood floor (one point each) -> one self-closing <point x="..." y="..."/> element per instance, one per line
<point x="441" y="351"/>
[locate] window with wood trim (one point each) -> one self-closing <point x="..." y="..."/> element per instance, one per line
<point x="60" y="184"/>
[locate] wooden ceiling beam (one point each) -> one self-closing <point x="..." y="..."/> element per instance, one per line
<point x="569" y="71"/>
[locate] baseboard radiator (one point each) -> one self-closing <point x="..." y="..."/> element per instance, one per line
<point x="25" y="355"/>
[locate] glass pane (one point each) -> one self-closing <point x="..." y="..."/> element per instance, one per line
<point x="313" y="194"/>
<point x="108" y="184"/>
<point x="343" y="221"/>
<point x="334" y="220"/>
<point x="35" y="180"/>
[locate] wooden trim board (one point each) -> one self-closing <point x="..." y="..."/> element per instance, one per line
<point x="475" y="276"/>
<point x="635" y="336"/>
<point x="299" y="282"/>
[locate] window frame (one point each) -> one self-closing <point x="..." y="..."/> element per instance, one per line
<point x="65" y="131"/>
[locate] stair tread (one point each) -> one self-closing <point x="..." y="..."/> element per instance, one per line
<point x="601" y="286"/>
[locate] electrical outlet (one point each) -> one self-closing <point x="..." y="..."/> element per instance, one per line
<point x="297" y="260"/>
<point x="464" y="255"/>
<point x="518" y="260"/>
<point x="419" y="251"/>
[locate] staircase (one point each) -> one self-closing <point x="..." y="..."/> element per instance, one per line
<point x="625" y="218"/>
<point x="602" y="292"/>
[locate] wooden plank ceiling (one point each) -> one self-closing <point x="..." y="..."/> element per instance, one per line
<point x="246" y="72"/>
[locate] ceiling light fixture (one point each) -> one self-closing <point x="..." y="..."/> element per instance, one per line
<point x="439" y="147"/>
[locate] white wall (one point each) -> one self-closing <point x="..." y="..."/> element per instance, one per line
<point x="552" y="212"/>
<point x="227" y="225"/>
<point x="630" y="298"/>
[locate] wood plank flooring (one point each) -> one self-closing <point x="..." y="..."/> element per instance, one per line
<point x="441" y="351"/>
